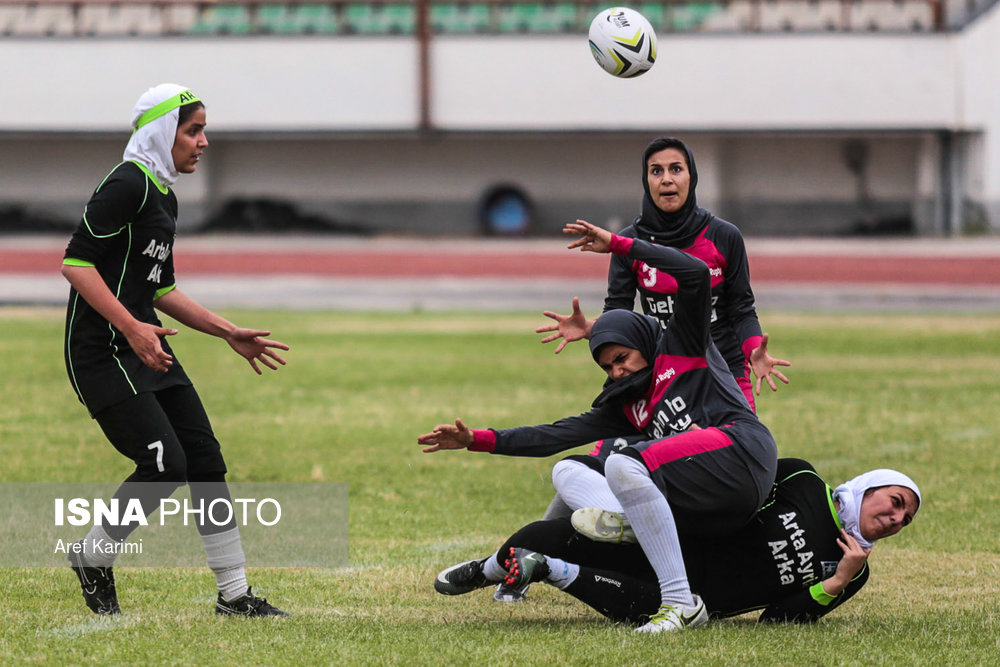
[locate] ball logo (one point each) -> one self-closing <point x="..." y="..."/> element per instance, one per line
<point x="619" y="18"/>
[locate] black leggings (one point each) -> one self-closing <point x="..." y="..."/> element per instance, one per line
<point x="615" y="579"/>
<point x="169" y="437"/>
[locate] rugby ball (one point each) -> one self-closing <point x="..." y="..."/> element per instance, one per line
<point x="622" y="42"/>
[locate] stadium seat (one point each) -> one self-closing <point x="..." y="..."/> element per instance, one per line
<point x="536" y="17"/>
<point x="10" y="16"/>
<point x="800" y="15"/>
<point x="223" y="20"/>
<point x="654" y="13"/>
<point x="733" y="16"/>
<point x="689" y="16"/>
<point x="178" y="19"/>
<point x="123" y="19"/>
<point x="459" y="18"/>
<point x="45" y="20"/>
<point x="891" y="15"/>
<point x="379" y="19"/>
<point x="297" y="19"/>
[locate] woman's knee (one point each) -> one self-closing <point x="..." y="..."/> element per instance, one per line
<point x="624" y="472"/>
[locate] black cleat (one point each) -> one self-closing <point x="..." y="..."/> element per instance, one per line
<point x="248" y="605"/>
<point x="98" y="584"/>
<point x="462" y="578"/>
<point x="505" y="593"/>
<point x="524" y="567"/>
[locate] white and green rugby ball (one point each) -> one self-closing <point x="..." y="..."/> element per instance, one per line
<point x="622" y="42"/>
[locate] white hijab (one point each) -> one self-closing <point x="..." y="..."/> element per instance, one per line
<point x="851" y="493"/>
<point x="153" y="134"/>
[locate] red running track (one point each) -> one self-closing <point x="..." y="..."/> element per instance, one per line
<point x="349" y="262"/>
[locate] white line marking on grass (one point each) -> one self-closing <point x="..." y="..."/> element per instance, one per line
<point x="98" y="624"/>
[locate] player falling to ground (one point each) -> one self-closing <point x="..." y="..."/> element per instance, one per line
<point x="702" y="447"/>
<point x="804" y="554"/>
<point x="121" y="269"/>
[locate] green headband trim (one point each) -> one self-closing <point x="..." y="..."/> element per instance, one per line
<point x="165" y="107"/>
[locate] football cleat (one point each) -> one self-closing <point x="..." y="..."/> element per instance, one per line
<point x="671" y="618"/>
<point x="462" y="578"/>
<point x="248" y="605"/>
<point x="98" y="584"/>
<point x="603" y="525"/>
<point x="505" y="593"/>
<point x="524" y="567"/>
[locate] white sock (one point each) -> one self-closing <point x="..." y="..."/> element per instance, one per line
<point x="492" y="569"/>
<point x="561" y="573"/>
<point x="224" y="552"/>
<point x="653" y="523"/>
<point x="96" y="546"/>
<point x="581" y="486"/>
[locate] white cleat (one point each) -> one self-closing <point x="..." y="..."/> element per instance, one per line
<point x="671" y="618"/>
<point x="603" y="525"/>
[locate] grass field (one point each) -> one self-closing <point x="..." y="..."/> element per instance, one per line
<point x="913" y="392"/>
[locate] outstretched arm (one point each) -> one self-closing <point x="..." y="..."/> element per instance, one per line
<point x="248" y="343"/>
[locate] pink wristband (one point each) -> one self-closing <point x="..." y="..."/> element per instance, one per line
<point x="483" y="440"/>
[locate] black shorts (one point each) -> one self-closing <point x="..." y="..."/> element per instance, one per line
<point x="167" y="434"/>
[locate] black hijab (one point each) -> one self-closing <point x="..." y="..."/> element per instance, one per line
<point x="635" y="331"/>
<point x="678" y="229"/>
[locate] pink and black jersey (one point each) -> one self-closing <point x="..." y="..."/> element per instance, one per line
<point x="734" y="324"/>
<point x="689" y="384"/>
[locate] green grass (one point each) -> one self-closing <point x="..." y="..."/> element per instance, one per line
<point x="912" y="392"/>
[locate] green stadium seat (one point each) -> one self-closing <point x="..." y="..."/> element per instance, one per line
<point x="459" y="18"/>
<point x="297" y="19"/>
<point x="223" y="20"/>
<point x="379" y="18"/>
<point x="537" y="17"/>
<point x="691" y="16"/>
<point x="654" y="12"/>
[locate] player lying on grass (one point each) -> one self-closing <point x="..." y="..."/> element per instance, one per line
<point x="804" y="554"/>
<point x="660" y="382"/>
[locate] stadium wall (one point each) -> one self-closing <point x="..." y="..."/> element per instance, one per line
<point x="333" y="125"/>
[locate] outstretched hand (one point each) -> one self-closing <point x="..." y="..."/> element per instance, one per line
<point x="568" y="327"/>
<point x="249" y="345"/>
<point x="594" y="238"/>
<point x="763" y="366"/>
<point x="446" y="436"/>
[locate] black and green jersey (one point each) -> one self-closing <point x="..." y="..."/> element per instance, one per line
<point x="776" y="563"/>
<point x="127" y="233"/>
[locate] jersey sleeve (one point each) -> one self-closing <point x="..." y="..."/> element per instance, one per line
<point x="548" y="439"/>
<point x="810" y="604"/>
<point x="622" y="284"/>
<point x="738" y="303"/>
<point x="690" y="324"/>
<point x="110" y="209"/>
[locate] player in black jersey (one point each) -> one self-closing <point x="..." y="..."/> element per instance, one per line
<point x="121" y="269"/>
<point x="700" y="444"/>
<point x="672" y="217"/>
<point x="804" y="554"/>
